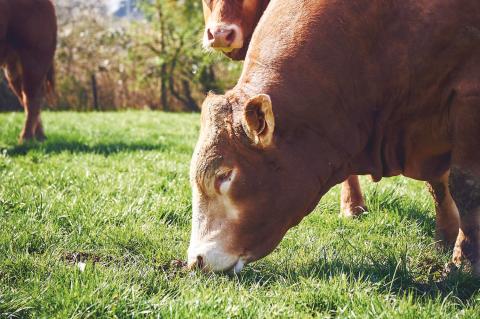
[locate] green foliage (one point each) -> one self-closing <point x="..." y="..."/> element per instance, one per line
<point x="111" y="190"/>
<point x="155" y="62"/>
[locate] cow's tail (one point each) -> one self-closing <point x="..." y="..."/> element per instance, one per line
<point x="49" y="86"/>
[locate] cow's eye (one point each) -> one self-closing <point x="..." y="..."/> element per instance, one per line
<point x="223" y="179"/>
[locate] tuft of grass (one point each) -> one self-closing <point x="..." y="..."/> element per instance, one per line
<point x="110" y="191"/>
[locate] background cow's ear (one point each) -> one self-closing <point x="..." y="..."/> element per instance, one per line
<point x="258" y="120"/>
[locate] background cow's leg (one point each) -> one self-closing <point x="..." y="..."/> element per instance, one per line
<point x="33" y="78"/>
<point x="464" y="181"/>
<point x="14" y="75"/>
<point x="351" y="198"/>
<point x="447" y="218"/>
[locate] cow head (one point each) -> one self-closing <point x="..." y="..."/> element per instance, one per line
<point x="229" y="25"/>
<point x="249" y="187"/>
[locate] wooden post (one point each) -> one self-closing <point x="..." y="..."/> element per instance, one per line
<point x="96" y="106"/>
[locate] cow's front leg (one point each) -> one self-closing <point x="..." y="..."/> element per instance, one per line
<point x="464" y="180"/>
<point x="465" y="188"/>
<point x="33" y="78"/>
<point x="351" y="198"/>
<point x="446" y="217"/>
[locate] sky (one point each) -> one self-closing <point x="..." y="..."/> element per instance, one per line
<point x="112" y="4"/>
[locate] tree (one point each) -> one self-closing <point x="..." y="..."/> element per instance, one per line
<point x="185" y="69"/>
<point x="154" y="62"/>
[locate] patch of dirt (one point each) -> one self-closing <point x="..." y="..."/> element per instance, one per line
<point x="173" y="267"/>
<point x="76" y="257"/>
<point x="431" y="266"/>
<point x="73" y="258"/>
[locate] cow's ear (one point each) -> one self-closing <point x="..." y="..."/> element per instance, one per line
<point x="258" y="120"/>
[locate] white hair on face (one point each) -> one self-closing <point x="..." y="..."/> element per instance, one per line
<point x="205" y="44"/>
<point x="229" y="208"/>
<point x="207" y="240"/>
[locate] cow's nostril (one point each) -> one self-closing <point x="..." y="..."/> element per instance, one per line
<point x="230" y="36"/>
<point x="210" y="35"/>
<point x="200" y="262"/>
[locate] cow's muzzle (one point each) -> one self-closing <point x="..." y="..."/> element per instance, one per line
<point x="223" y="37"/>
<point x="211" y="258"/>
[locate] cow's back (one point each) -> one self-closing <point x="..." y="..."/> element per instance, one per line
<point x="4" y="18"/>
<point x="363" y="49"/>
<point x="30" y="25"/>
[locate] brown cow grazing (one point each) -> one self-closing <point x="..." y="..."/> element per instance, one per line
<point x="28" y="36"/>
<point x="229" y="26"/>
<point x="402" y="75"/>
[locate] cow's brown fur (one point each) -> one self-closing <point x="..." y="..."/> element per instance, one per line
<point x="402" y="76"/>
<point x="28" y="35"/>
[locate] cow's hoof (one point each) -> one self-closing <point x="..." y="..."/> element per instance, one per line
<point x="443" y="245"/>
<point x="476" y="269"/>
<point x="351" y="212"/>
<point x="30" y="139"/>
<point x="40" y="138"/>
<point x="446" y="235"/>
<point x="453" y="268"/>
<point x="442" y="242"/>
<point x="450" y="269"/>
<point x="25" y="139"/>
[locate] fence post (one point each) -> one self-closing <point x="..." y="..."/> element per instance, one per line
<point x="96" y="106"/>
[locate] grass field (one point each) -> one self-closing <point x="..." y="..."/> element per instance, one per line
<point x="111" y="190"/>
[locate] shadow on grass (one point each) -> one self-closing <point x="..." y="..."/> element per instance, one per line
<point x="404" y="206"/>
<point x="57" y="145"/>
<point x="390" y="275"/>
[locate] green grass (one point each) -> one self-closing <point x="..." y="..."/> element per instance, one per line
<point x="112" y="189"/>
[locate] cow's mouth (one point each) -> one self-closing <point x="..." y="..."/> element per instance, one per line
<point x="234" y="269"/>
<point x="225" y="50"/>
<point x="237" y="268"/>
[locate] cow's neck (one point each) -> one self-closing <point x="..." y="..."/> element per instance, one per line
<point x="356" y="97"/>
